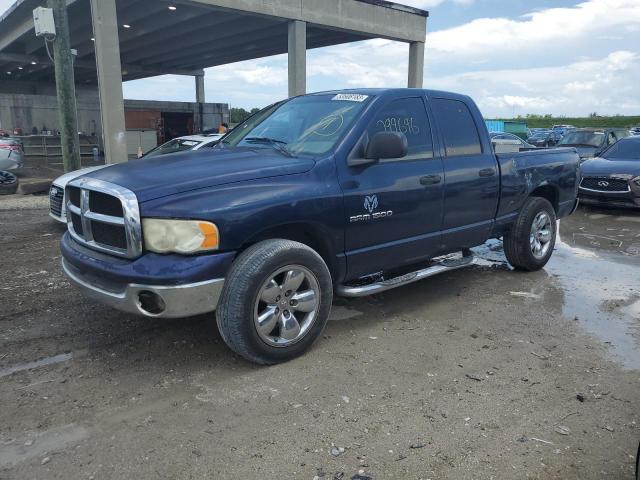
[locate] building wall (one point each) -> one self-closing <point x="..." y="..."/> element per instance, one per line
<point x="27" y="111"/>
<point x="41" y="111"/>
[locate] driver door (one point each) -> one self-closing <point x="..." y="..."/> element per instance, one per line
<point x="394" y="207"/>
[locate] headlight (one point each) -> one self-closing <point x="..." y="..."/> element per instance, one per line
<point x="636" y="181"/>
<point x="179" y="236"/>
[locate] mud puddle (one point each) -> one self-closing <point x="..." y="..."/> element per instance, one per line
<point x="598" y="268"/>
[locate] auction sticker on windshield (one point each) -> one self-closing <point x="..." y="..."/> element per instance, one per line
<point x="350" y="97"/>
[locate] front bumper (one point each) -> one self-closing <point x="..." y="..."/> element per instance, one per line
<point x="150" y="300"/>
<point x="161" y="286"/>
<point x="611" y="199"/>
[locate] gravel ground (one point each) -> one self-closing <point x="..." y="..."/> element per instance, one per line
<point x="476" y="374"/>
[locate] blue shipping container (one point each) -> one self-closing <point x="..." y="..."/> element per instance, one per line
<point x="495" y="125"/>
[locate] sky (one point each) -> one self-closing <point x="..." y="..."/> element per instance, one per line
<point x="512" y="56"/>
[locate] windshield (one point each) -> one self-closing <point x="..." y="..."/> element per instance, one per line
<point x="623" y="150"/>
<point x="173" y="146"/>
<point x="309" y="125"/>
<point x="588" y="139"/>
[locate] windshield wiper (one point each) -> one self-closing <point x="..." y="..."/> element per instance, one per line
<point x="279" y="145"/>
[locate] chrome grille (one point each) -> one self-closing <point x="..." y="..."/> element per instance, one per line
<point x="605" y="184"/>
<point x="56" y="196"/>
<point x="104" y="216"/>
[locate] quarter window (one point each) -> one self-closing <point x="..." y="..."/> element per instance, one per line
<point x="408" y="116"/>
<point x="458" y="128"/>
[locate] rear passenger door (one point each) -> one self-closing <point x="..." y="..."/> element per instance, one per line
<point x="472" y="178"/>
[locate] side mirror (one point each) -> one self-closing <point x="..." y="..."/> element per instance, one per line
<point x="387" y="145"/>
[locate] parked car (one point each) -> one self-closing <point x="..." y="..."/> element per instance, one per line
<point x="635" y="131"/>
<point x="11" y="153"/>
<point x="613" y="178"/>
<point x="356" y="192"/>
<point x="545" y="139"/>
<point x="562" y="129"/>
<point x="181" y="144"/>
<point x="508" y="142"/>
<point x="590" y="142"/>
<point x="57" y="209"/>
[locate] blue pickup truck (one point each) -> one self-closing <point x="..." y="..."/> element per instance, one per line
<point x="347" y="192"/>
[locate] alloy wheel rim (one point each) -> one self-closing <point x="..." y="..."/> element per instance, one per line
<point x="541" y="235"/>
<point x="287" y="306"/>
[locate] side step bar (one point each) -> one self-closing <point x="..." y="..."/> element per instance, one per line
<point x="384" y="285"/>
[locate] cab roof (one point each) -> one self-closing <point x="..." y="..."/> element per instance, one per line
<point x="379" y="92"/>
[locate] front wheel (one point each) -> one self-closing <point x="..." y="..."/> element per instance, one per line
<point x="529" y="244"/>
<point x="275" y="302"/>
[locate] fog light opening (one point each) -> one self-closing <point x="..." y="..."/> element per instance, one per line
<point x="151" y="303"/>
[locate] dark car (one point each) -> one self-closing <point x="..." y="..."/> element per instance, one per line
<point x="614" y="177"/>
<point x="638" y="464"/>
<point x="590" y="142"/>
<point x="353" y="192"/>
<point x="544" y="139"/>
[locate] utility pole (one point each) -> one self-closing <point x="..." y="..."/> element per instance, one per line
<point x="65" y="87"/>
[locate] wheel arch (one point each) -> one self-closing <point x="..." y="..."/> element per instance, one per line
<point x="307" y="233"/>
<point x="548" y="192"/>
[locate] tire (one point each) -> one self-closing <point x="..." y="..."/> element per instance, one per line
<point x="266" y="270"/>
<point x="8" y="183"/>
<point x="521" y="243"/>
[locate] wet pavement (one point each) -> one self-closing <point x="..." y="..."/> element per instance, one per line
<point x="597" y="265"/>
<point x="479" y="373"/>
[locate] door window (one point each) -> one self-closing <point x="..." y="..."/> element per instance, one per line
<point x="458" y="128"/>
<point x="408" y="116"/>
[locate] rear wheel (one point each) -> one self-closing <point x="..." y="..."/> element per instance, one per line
<point x="275" y="302"/>
<point x="529" y="245"/>
<point x="8" y="183"/>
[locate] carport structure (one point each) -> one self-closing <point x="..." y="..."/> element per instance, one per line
<point x="119" y="40"/>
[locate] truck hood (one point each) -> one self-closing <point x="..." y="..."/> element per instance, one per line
<point x="604" y="167"/>
<point x="181" y="172"/>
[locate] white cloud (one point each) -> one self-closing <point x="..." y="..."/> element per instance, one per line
<point x="542" y="29"/>
<point x="605" y="85"/>
<point x="572" y="60"/>
<point x="431" y="3"/>
<point x="5" y="4"/>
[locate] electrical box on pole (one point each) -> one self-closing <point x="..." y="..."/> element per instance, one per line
<point x="43" y="22"/>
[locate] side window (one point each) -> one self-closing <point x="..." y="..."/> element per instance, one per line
<point x="458" y="128"/>
<point x="408" y="116"/>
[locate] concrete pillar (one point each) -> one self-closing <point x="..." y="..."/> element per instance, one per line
<point x="107" y="47"/>
<point x="297" y="58"/>
<point x="199" y="117"/>
<point x="200" y="88"/>
<point x="416" y="64"/>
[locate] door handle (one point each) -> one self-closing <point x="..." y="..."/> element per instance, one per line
<point x="487" y="172"/>
<point x="430" y="180"/>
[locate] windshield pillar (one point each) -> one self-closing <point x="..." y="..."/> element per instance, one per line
<point x="297" y="58"/>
